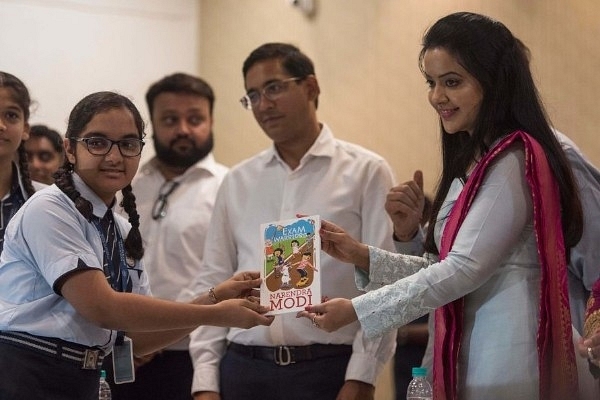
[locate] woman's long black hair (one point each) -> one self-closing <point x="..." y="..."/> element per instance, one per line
<point x="499" y="62"/>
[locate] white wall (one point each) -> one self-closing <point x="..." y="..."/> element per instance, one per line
<point x="65" y="49"/>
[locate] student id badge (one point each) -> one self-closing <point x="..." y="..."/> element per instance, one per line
<point x="124" y="371"/>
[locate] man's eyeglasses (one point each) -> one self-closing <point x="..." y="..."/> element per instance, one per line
<point x="159" y="210"/>
<point x="100" y="146"/>
<point x="271" y="91"/>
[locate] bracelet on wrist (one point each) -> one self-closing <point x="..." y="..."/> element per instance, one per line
<point x="212" y="296"/>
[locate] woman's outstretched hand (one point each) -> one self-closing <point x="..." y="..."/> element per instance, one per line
<point x="330" y="315"/>
<point x="338" y="244"/>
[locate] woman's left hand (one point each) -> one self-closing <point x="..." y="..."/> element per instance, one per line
<point x="330" y="315"/>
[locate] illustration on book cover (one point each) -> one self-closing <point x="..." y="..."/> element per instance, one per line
<point x="290" y="272"/>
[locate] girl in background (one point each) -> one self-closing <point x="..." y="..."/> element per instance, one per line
<point x="15" y="184"/>
<point x="45" y="153"/>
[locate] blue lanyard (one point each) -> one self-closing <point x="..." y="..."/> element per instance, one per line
<point x="9" y="207"/>
<point x="122" y="260"/>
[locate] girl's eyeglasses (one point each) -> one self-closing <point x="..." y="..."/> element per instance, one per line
<point x="100" y="146"/>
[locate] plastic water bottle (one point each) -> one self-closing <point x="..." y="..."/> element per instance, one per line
<point x="104" y="392"/>
<point x="419" y="388"/>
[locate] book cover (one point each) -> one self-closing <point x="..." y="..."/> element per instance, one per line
<point x="290" y="274"/>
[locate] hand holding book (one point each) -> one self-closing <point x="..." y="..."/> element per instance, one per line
<point x="338" y="244"/>
<point x="330" y="315"/>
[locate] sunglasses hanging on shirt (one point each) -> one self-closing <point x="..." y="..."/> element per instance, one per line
<point x="159" y="210"/>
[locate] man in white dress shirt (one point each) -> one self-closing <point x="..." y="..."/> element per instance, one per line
<point x="306" y="171"/>
<point x="175" y="194"/>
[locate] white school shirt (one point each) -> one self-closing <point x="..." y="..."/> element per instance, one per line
<point x="46" y="239"/>
<point x="174" y="244"/>
<point x="339" y="181"/>
<point x="4" y="221"/>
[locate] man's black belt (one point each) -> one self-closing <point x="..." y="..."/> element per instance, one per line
<point x="286" y="355"/>
<point x="83" y="356"/>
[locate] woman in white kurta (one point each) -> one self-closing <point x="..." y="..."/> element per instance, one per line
<point x="482" y="273"/>
<point x="492" y="253"/>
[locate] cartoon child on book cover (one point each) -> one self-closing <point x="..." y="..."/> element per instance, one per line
<point x="290" y="272"/>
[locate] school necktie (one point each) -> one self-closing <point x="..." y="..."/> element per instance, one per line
<point x="108" y="226"/>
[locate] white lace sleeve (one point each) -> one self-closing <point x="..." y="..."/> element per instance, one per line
<point x="498" y="222"/>
<point x="402" y="303"/>
<point x="386" y="267"/>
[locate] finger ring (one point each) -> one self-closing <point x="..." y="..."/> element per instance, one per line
<point x="589" y="349"/>
<point x="315" y="324"/>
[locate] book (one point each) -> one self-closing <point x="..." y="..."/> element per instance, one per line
<point x="290" y="273"/>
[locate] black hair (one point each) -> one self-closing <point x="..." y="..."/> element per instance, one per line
<point x="293" y="61"/>
<point x="20" y="95"/>
<point x="497" y="60"/>
<point x="42" y="131"/>
<point x="80" y="116"/>
<point x="180" y="83"/>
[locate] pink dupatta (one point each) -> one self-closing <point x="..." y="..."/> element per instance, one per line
<point x="556" y="355"/>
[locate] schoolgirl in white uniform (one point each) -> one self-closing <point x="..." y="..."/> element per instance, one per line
<point x="68" y="291"/>
<point x="15" y="183"/>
